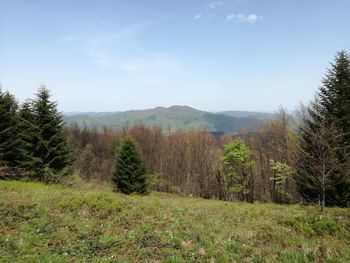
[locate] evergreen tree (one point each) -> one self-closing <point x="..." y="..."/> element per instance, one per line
<point x="29" y="139"/>
<point x="129" y="175"/>
<point x="334" y="94"/>
<point x="329" y="113"/>
<point x="318" y="164"/>
<point x="9" y="154"/>
<point x="334" y="98"/>
<point x="52" y="148"/>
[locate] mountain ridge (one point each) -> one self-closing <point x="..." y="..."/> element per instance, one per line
<point x="171" y="118"/>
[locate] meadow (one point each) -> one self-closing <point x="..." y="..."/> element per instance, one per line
<point x="55" y="223"/>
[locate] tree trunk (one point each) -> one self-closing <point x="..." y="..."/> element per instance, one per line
<point x="251" y="186"/>
<point x="323" y="193"/>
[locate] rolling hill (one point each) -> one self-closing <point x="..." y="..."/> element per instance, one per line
<point x="172" y="118"/>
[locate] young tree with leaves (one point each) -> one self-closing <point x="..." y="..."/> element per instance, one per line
<point x="238" y="164"/>
<point x="129" y="175"/>
<point x="281" y="172"/>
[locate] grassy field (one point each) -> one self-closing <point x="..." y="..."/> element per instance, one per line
<point x="40" y="223"/>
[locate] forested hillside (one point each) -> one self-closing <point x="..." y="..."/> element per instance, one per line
<point x="170" y="119"/>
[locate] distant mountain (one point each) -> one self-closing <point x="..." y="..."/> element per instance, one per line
<point x="172" y="118"/>
<point x="248" y="114"/>
<point x="92" y="114"/>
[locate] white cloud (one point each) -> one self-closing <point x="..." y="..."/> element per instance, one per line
<point x="121" y="51"/>
<point x="216" y="4"/>
<point x="230" y="17"/>
<point x="100" y="46"/>
<point x="241" y="17"/>
<point x="199" y="16"/>
<point x="251" y="18"/>
<point x="211" y="10"/>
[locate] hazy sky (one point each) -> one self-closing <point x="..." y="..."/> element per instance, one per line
<point x="109" y="55"/>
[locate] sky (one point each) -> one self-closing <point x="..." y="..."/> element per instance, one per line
<point x="116" y="55"/>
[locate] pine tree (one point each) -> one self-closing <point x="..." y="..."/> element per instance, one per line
<point x="334" y="94"/>
<point x="9" y="154"/>
<point x="329" y="113"/>
<point x="129" y="175"/>
<point x="52" y="148"/>
<point x="334" y="98"/>
<point x="29" y="139"/>
<point x="318" y="164"/>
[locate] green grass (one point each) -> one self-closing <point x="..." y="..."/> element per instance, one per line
<point x="40" y="223"/>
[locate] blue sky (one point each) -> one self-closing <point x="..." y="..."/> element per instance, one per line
<point x="111" y="55"/>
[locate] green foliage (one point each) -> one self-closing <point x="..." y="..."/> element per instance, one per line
<point x="129" y="175"/>
<point x="238" y="164"/>
<point x="334" y="94"/>
<point x="156" y="182"/>
<point x="52" y="223"/>
<point x="9" y="142"/>
<point x="51" y="149"/>
<point x="329" y="113"/>
<point x="334" y="98"/>
<point x="238" y="188"/>
<point x="29" y="138"/>
<point x="237" y="155"/>
<point x="312" y="224"/>
<point x="282" y="172"/>
<point x="32" y="137"/>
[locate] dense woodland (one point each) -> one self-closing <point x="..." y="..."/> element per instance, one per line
<point x="288" y="159"/>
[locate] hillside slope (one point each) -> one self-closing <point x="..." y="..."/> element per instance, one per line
<point x="175" y="117"/>
<point x="247" y="114"/>
<point x="40" y="223"/>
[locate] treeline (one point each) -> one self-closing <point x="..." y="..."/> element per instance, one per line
<point x="286" y="160"/>
<point x="32" y="142"/>
<point x="197" y="163"/>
